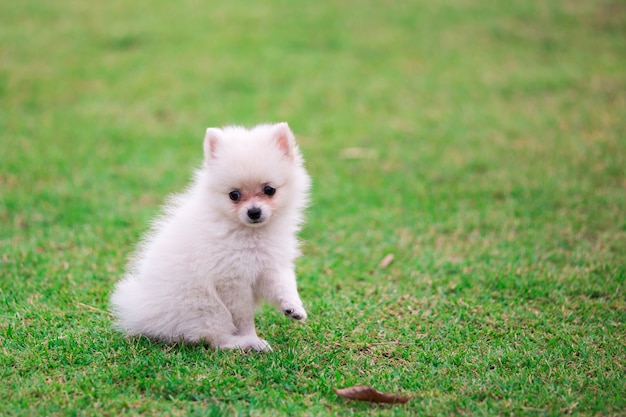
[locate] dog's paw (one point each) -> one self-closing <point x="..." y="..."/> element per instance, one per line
<point x="293" y="311"/>
<point x="259" y="345"/>
<point x="247" y="344"/>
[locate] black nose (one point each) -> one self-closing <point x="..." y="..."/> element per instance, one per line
<point x="254" y="213"/>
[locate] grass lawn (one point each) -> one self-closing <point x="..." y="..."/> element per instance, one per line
<point x="483" y="144"/>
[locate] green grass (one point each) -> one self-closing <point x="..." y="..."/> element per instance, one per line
<point x="495" y="136"/>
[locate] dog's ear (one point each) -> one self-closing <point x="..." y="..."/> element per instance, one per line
<point x="211" y="143"/>
<point x="284" y="139"/>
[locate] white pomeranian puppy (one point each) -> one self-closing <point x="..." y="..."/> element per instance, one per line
<point x="224" y="245"/>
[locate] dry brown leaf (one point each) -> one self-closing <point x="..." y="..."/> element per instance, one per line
<point x="386" y="261"/>
<point x="366" y="393"/>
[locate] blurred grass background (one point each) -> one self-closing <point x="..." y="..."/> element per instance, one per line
<point x="481" y="143"/>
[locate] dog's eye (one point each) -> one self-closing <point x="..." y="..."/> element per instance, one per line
<point x="269" y="191"/>
<point x="235" y="195"/>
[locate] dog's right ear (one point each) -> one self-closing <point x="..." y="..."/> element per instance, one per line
<point x="211" y="143"/>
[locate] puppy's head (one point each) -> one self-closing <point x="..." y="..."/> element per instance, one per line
<point x="255" y="175"/>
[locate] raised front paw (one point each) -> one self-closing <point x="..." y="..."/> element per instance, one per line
<point x="293" y="311"/>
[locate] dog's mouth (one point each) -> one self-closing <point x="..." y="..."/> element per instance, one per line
<point x="255" y="223"/>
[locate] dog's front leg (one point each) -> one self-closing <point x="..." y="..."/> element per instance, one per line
<point x="279" y="287"/>
<point x="240" y="303"/>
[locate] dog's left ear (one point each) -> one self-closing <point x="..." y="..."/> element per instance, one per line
<point x="285" y="139"/>
<point x="211" y="143"/>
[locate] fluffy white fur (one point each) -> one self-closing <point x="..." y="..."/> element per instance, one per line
<point x="209" y="260"/>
